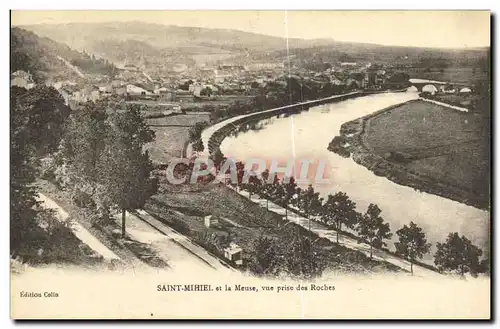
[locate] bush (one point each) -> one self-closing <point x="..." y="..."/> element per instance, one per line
<point x="292" y="254"/>
<point x="83" y="200"/>
<point x="53" y="242"/>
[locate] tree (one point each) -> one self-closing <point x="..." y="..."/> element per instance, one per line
<point x="218" y="158"/>
<point x="240" y="173"/>
<point x="400" y="78"/>
<point x="194" y="135"/>
<point x="83" y="143"/>
<point x="253" y="186"/>
<point x="124" y="169"/>
<point x="264" y="189"/>
<point x="291" y="254"/>
<point x="287" y="193"/>
<point x="198" y="145"/>
<point x="337" y="210"/>
<point x="38" y="116"/>
<point x="412" y="243"/>
<point x="458" y="254"/>
<point x="310" y="203"/>
<point x="36" y="120"/>
<point x="371" y="228"/>
<point x="266" y="259"/>
<point x="302" y="257"/>
<point x="195" y="131"/>
<point x="269" y="191"/>
<point x="206" y="92"/>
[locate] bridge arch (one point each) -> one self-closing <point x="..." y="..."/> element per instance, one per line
<point x="439" y="85"/>
<point x="430" y="88"/>
<point x="420" y="86"/>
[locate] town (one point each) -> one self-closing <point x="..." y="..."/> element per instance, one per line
<point x="186" y="88"/>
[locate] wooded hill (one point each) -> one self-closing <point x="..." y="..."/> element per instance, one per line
<point x="41" y="56"/>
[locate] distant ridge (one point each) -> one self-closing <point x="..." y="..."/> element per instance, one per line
<point x="156" y="43"/>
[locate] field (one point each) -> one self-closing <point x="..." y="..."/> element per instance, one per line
<point x="446" y="145"/>
<point x="171" y="135"/>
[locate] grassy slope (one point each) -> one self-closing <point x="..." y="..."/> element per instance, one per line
<point x="189" y="205"/>
<point x="444" y="143"/>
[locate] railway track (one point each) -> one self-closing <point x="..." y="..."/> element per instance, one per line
<point x="184" y="242"/>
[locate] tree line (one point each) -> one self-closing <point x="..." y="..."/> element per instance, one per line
<point x="38" y="55"/>
<point x="275" y="94"/>
<point x="337" y="211"/>
<point x="194" y="135"/>
<point x="35" y="116"/>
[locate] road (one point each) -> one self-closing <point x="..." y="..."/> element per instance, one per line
<point x="177" y="250"/>
<point x="344" y="240"/>
<point x="78" y="230"/>
<point x="71" y="66"/>
<point x="147" y="76"/>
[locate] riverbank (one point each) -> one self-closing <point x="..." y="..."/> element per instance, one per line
<point x="396" y="165"/>
<point x="241" y="220"/>
<point x="306" y="135"/>
<point x="458" y="108"/>
<point x="213" y="136"/>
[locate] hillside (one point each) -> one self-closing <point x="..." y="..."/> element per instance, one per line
<point x="120" y="41"/>
<point x="164" y="36"/>
<point x="138" y="52"/>
<point x="45" y="58"/>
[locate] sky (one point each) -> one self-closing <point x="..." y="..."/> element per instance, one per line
<point x="443" y="29"/>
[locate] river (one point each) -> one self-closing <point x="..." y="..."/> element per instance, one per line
<point x="307" y="135"/>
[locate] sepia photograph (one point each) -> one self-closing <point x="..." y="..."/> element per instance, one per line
<point x="278" y="164"/>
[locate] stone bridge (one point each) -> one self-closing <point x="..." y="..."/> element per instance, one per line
<point x="421" y="83"/>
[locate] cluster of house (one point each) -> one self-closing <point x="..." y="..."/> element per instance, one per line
<point x="133" y="84"/>
<point x="22" y="79"/>
<point x="238" y="79"/>
<point x="356" y="76"/>
<point x="233" y="79"/>
<point x="74" y="93"/>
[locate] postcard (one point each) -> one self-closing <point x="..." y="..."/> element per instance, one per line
<point x="250" y="164"/>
